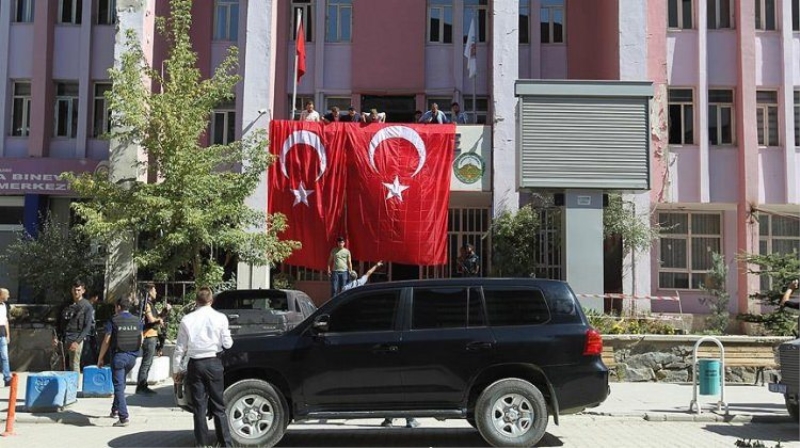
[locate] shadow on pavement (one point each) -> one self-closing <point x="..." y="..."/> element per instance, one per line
<point x="772" y="432"/>
<point x="66" y="417"/>
<point x="157" y="439"/>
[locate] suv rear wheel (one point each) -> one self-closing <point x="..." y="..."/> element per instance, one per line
<point x="257" y="413"/>
<point x="511" y="412"/>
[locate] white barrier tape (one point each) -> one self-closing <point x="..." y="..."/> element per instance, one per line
<point x="625" y="296"/>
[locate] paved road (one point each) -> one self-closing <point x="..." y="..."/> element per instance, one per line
<point x="164" y="430"/>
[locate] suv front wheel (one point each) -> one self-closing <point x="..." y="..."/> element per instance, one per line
<point x="257" y="413"/>
<point x="511" y="412"/>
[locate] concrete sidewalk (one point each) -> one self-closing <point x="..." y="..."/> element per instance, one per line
<point x="649" y="401"/>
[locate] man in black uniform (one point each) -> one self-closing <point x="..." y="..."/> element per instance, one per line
<point x="75" y="325"/>
<point x="123" y="333"/>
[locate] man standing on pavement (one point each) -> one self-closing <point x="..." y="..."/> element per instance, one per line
<point x="5" y="336"/>
<point x="75" y="325"/>
<point x="123" y="335"/>
<point x="152" y="322"/>
<point x="340" y="263"/>
<point x="202" y="336"/>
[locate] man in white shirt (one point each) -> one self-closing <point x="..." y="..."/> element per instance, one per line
<point x="356" y="282"/>
<point x="5" y="336"/>
<point x="310" y="114"/>
<point x="202" y="336"/>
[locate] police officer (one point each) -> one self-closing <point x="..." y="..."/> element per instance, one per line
<point x="123" y="334"/>
<point x="202" y="336"/>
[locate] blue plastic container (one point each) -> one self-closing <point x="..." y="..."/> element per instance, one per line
<point x="97" y="382"/>
<point x="50" y="391"/>
<point x="708" y="376"/>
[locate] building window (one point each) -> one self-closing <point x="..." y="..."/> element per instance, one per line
<point x="106" y="12"/>
<point x="686" y="245"/>
<point x="339" y="21"/>
<point x="342" y="102"/>
<point x="778" y="234"/>
<point x="767" y="118"/>
<point x="23" y="11"/>
<point x="440" y="21"/>
<point x="21" y="113"/>
<point x="680" y="14"/>
<point x="524" y="22"/>
<point x="102" y="113"/>
<point x="226" y="20"/>
<point x="223" y="124"/>
<point x="299" y="105"/>
<point x="797" y="118"/>
<point x="720" y="117"/>
<point x="795" y="15"/>
<point x="66" y="110"/>
<point x="307" y="9"/>
<point x="551" y="15"/>
<point x="70" y="11"/>
<point x="766" y="15"/>
<point x="481" y="109"/>
<point x="720" y="14"/>
<point x="478" y="9"/>
<point x="681" y="117"/>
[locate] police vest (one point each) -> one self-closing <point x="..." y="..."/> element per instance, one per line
<point x="129" y="333"/>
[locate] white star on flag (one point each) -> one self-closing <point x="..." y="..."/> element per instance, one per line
<point x="395" y="189"/>
<point x="301" y="194"/>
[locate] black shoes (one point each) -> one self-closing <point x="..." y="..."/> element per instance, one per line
<point x="145" y="391"/>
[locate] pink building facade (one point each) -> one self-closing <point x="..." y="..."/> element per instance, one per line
<point x="725" y="112"/>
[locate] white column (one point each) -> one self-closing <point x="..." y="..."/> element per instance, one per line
<point x="259" y="51"/>
<point x="702" y="99"/>
<point x="504" y="70"/>
<point x="633" y="67"/>
<point x="583" y="244"/>
<point x="84" y="78"/>
<point x="5" y="38"/>
<point x="319" y="55"/>
<point x="787" y="114"/>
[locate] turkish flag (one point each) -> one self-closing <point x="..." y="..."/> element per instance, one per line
<point x="300" y="44"/>
<point x="398" y="192"/>
<point x="307" y="184"/>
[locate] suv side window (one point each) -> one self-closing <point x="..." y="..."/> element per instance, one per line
<point x="373" y="311"/>
<point x="439" y="308"/>
<point x="563" y="306"/>
<point x="506" y="306"/>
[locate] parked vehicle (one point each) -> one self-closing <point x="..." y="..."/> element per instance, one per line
<point x="263" y="310"/>
<point x="788" y="381"/>
<point x="504" y="354"/>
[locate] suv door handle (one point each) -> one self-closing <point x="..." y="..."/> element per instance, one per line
<point x="479" y="345"/>
<point x="385" y="348"/>
<point x="233" y="316"/>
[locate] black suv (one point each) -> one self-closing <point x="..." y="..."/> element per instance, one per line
<point x="502" y="353"/>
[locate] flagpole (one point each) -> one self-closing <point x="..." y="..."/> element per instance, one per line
<point x="296" y="58"/>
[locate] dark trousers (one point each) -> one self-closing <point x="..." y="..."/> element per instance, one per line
<point x="148" y="353"/>
<point x="205" y="380"/>
<point x="121" y="364"/>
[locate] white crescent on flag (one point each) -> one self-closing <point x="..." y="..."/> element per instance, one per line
<point x="304" y="138"/>
<point x="403" y="132"/>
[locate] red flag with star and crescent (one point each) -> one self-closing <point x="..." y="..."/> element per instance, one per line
<point x="398" y="191"/>
<point x="307" y="184"/>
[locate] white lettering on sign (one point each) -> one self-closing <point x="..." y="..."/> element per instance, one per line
<point x="584" y="200"/>
<point x="37" y="177"/>
<point x="27" y="186"/>
<point x="2" y="176"/>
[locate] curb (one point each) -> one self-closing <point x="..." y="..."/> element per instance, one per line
<point x="709" y="417"/>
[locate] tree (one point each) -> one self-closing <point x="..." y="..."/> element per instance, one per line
<point x="779" y="270"/>
<point x="718" y="297"/>
<point x="620" y="218"/>
<point x="196" y="211"/>
<point x="49" y="262"/>
<point x="514" y="242"/>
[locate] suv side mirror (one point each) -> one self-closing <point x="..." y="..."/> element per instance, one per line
<point x="321" y="323"/>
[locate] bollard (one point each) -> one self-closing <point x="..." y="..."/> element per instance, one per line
<point x="12" y="406"/>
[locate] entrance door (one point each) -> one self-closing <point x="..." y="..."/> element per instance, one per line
<point x="399" y="109"/>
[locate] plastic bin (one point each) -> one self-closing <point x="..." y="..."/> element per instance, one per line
<point x="97" y="382"/>
<point x="50" y="391"/>
<point x="708" y="376"/>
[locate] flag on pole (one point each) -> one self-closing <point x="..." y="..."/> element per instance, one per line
<point x="470" y="49"/>
<point x="301" y="48"/>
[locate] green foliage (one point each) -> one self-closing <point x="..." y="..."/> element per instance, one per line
<point x="514" y="240"/>
<point x="780" y="270"/>
<point x="608" y="324"/>
<point x="283" y="280"/>
<point x="196" y="210"/>
<point x="620" y="217"/>
<point x="718" y="297"/>
<point x="50" y="262"/>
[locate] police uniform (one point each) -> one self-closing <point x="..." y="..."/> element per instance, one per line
<point x="126" y="339"/>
